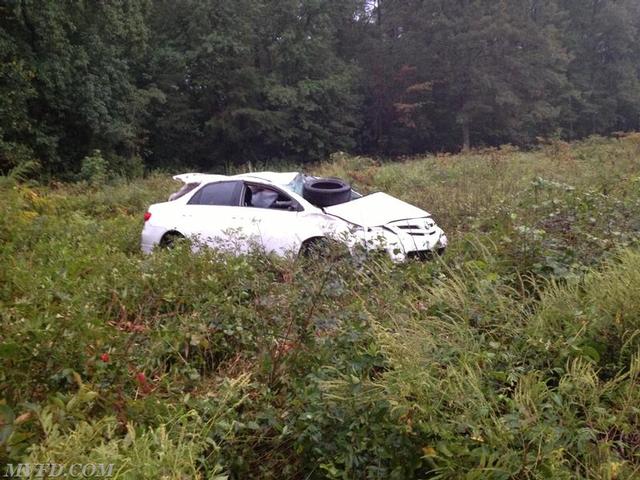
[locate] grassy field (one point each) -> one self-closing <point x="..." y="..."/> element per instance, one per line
<point x="515" y="356"/>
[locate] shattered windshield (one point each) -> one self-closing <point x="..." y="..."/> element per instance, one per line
<point x="296" y="184"/>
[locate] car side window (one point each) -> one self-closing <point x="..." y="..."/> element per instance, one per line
<point x="260" y="196"/>
<point x="219" y="193"/>
<point x="186" y="188"/>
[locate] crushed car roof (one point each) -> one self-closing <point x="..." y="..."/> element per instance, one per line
<point x="277" y="178"/>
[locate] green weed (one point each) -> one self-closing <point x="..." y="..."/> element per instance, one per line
<point x="517" y="355"/>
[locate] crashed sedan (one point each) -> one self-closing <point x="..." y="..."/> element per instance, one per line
<point x="288" y="213"/>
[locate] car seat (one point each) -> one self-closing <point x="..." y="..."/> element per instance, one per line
<point x="247" y="197"/>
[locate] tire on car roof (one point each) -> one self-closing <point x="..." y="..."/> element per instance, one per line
<point x="325" y="192"/>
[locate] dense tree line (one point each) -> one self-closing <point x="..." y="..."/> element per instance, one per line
<point x="207" y="83"/>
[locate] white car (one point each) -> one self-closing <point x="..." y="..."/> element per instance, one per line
<point x="288" y="213"/>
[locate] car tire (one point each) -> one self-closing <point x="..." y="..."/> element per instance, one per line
<point x="323" y="248"/>
<point x="325" y="192"/>
<point x="170" y="239"/>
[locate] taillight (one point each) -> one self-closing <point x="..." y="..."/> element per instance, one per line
<point x="147" y="216"/>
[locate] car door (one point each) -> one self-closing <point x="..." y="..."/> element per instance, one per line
<point x="211" y="216"/>
<point x="272" y="217"/>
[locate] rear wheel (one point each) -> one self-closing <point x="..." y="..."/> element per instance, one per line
<point x="170" y="239"/>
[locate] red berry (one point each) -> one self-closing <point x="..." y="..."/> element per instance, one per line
<point x="142" y="379"/>
<point x="104" y="357"/>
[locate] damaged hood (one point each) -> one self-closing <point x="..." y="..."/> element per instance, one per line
<point x="375" y="210"/>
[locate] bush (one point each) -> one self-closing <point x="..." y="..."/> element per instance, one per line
<point x="517" y="355"/>
<point x="94" y="168"/>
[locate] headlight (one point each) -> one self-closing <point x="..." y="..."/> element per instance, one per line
<point x="444" y="241"/>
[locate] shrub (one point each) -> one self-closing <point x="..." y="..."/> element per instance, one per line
<point x="514" y="356"/>
<point x="94" y="168"/>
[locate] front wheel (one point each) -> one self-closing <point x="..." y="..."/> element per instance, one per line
<point x="323" y="249"/>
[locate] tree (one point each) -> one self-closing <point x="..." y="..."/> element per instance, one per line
<point x="602" y="37"/>
<point x="496" y="73"/>
<point x="249" y="81"/>
<point x="213" y="83"/>
<point x="16" y="91"/>
<point x="70" y="77"/>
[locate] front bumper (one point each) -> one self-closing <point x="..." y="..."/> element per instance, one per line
<point x="401" y="246"/>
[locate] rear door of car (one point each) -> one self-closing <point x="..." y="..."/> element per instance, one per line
<point x="211" y="216"/>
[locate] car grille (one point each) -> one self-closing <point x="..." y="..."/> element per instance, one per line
<point x="413" y="229"/>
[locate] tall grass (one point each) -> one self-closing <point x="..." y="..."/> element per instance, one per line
<point x="517" y="355"/>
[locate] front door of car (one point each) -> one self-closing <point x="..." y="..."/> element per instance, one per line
<point x="212" y="217"/>
<point x="272" y="218"/>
